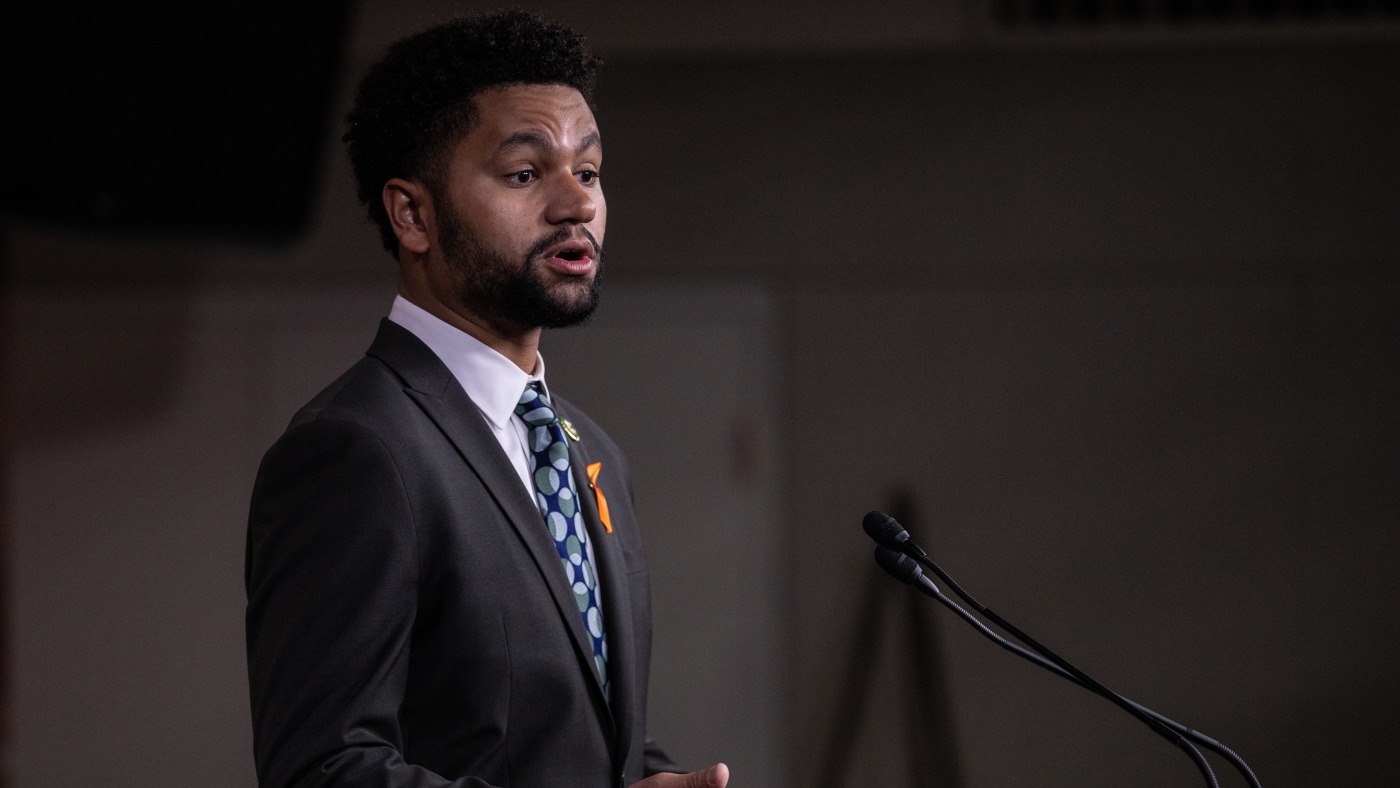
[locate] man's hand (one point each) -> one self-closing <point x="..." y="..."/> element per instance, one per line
<point x="716" y="776"/>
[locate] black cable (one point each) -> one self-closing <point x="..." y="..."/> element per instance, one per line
<point x="901" y="557"/>
<point x="1147" y="716"/>
<point x="1063" y="667"/>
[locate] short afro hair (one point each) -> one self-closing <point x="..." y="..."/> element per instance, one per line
<point x="416" y="103"/>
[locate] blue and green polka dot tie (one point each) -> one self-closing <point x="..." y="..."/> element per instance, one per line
<point x="558" y="500"/>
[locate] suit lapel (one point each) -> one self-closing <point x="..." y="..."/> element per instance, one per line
<point x="432" y="387"/>
<point x="617" y="601"/>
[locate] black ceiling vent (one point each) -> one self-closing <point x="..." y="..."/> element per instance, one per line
<point x="1119" y="14"/>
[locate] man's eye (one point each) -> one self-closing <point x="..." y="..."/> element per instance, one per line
<point x="588" y="176"/>
<point x="522" y="177"/>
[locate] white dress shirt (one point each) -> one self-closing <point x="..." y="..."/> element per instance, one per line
<point x="493" y="382"/>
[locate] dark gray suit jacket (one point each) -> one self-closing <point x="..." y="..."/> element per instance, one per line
<point x="408" y="620"/>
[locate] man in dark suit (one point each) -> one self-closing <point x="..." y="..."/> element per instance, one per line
<point x="446" y="583"/>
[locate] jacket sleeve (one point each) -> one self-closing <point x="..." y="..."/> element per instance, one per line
<point x="331" y="573"/>
<point x="656" y="761"/>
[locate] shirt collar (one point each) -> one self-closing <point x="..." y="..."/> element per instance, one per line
<point x="492" y="381"/>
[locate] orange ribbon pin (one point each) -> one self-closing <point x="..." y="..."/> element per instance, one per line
<point x="593" y="470"/>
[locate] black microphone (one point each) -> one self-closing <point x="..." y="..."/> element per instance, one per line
<point x="885" y="530"/>
<point x="907" y="571"/>
<point x="888" y="532"/>
<point x="897" y="555"/>
<point x="904" y="568"/>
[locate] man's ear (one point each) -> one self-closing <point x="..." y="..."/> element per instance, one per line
<point x="410" y="210"/>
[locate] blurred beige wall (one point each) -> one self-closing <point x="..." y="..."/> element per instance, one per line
<point x="1123" y="318"/>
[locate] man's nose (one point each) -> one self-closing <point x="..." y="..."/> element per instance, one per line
<point x="570" y="202"/>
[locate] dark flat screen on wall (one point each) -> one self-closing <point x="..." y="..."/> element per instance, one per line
<point x="198" y="119"/>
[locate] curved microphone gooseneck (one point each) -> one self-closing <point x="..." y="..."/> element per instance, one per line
<point x="886" y="531"/>
<point x="897" y="554"/>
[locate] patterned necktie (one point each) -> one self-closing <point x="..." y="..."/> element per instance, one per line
<point x="558" y="500"/>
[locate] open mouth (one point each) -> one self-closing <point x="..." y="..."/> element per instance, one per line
<point x="574" y="257"/>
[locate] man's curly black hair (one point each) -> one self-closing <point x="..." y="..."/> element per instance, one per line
<point x="416" y="103"/>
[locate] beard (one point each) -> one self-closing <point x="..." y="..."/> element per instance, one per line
<point x="515" y="292"/>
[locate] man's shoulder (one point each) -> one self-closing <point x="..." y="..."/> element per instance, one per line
<point x="373" y="392"/>
<point x="367" y="393"/>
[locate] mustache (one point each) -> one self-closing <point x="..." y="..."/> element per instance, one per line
<point x="559" y="236"/>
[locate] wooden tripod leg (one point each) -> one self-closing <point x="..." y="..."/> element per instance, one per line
<point x="860" y="670"/>
<point x="933" y="754"/>
<point x="928" y="717"/>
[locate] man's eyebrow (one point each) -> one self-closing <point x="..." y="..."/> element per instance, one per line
<point x="526" y="139"/>
<point x="534" y="139"/>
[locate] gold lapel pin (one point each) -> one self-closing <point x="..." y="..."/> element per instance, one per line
<point x="569" y="429"/>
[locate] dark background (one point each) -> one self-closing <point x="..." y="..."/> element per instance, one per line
<point x="1116" y="303"/>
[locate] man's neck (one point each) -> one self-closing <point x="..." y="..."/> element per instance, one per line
<point x="520" y="346"/>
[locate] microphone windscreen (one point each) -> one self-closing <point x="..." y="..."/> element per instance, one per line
<point x="885" y="530"/>
<point x="904" y="568"/>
